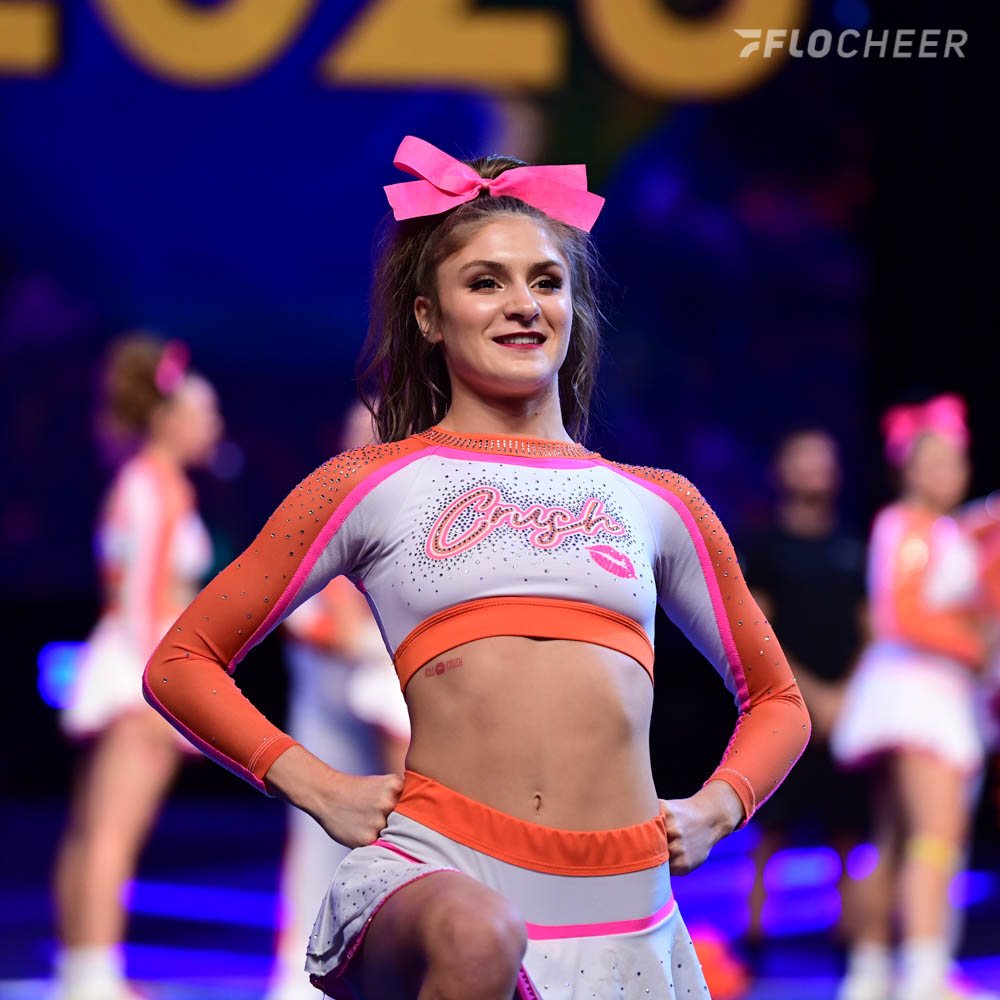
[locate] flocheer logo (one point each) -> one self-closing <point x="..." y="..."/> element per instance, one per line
<point x="888" y="43"/>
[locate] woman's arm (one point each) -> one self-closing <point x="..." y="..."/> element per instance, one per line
<point x="323" y="528"/>
<point x="702" y="590"/>
<point x="901" y="555"/>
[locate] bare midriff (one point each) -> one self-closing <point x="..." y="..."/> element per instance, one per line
<point x="551" y="731"/>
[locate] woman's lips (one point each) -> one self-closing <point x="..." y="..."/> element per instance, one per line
<point x="506" y="340"/>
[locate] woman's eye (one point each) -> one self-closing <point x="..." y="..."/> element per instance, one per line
<point x="483" y="283"/>
<point x="550" y="283"/>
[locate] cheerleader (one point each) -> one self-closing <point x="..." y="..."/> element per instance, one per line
<point x="515" y="575"/>
<point x="152" y="550"/>
<point x="909" y="713"/>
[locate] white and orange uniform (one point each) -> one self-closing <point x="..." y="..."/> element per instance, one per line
<point x="915" y="684"/>
<point x="454" y="538"/>
<point x="152" y="550"/>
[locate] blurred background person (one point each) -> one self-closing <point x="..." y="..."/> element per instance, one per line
<point x="153" y="550"/>
<point x="806" y="570"/>
<point x="346" y="706"/>
<point x="909" y="713"/>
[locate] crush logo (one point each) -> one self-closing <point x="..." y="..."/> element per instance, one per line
<point x="547" y="527"/>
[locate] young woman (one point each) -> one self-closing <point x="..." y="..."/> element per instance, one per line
<point x="153" y="552"/>
<point x="909" y="712"/>
<point x="515" y="576"/>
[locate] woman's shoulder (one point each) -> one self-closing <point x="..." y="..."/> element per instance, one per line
<point x="658" y="480"/>
<point x="900" y="516"/>
<point x="368" y="463"/>
<point x="146" y="480"/>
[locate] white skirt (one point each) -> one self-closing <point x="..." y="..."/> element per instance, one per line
<point x="606" y="936"/>
<point x="108" y="683"/>
<point x="901" y="697"/>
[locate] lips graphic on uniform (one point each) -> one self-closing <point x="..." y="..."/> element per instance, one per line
<point x="612" y="560"/>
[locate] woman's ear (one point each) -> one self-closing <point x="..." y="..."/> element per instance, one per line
<point x="423" y="311"/>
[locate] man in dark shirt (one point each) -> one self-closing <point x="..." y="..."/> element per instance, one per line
<point x="808" y="575"/>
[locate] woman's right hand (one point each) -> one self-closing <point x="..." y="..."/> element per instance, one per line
<point x="357" y="808"/>
<point x="352" y="810"/>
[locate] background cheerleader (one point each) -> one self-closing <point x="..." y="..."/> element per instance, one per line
<point x="152" y="549"/>
<point x="909" y="712"/>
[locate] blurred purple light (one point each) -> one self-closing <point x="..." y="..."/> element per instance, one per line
<point x="862" y="861"/>
<point x="802" y="868"/>
<point x="970" y="887"/>
<point x="204" y="903"/>
<point x="801" y="912"/>
<point x="58" y="663"/>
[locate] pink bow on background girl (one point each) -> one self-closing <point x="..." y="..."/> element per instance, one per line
<point x="172" y="366"/>
<point x="559" y="191"/>
<point x="902" y="425"/>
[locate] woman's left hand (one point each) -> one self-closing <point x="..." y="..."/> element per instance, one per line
<point x="695" y="825"/>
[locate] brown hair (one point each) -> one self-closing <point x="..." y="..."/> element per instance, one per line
<point x="407" y="375"/>
<point x="129" y="393"/>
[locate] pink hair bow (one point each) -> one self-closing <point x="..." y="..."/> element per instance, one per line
<point x="172" y="366"/>
<point x="445" y="183"/>
<point x="902" y="425"/>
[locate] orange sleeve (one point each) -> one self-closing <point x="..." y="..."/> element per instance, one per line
<point x="703" y="592"/>
<point x="902" y="549"/>
<point x="315" y="534"/>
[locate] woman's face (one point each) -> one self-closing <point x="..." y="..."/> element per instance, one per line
<point x="189" y="423"/>
<point x="937" y="473"/>
<point x="505" y="310"/>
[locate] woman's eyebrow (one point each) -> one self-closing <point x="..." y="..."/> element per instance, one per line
<point x="495" y="265"/>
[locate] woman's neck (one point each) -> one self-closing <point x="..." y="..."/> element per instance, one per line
<point x="518" y="418"/>
<point x="923" y="505"/>
<point x="162" y="453"/>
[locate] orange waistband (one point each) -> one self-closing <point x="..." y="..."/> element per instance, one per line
<point x="537" y="617"/>
<point x="530" y="845"/>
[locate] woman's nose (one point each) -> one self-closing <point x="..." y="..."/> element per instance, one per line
<point x="522" y="305"/>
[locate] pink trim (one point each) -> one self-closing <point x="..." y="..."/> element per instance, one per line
<point x="344" y="509"/>
<point x="526" y="989"/>
<point x="558" y="932"/>
<point x="535" y="463"/>
<point x="396" y="850"/>
<point x="711" y="581"/>
<point x="359" y="940"/>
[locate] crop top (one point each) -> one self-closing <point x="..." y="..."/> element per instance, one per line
<point x="923" y="583"/>
<point x="453" y="538"/>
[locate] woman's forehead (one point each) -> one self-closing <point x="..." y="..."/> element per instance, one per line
<point x="509" y="239"/>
